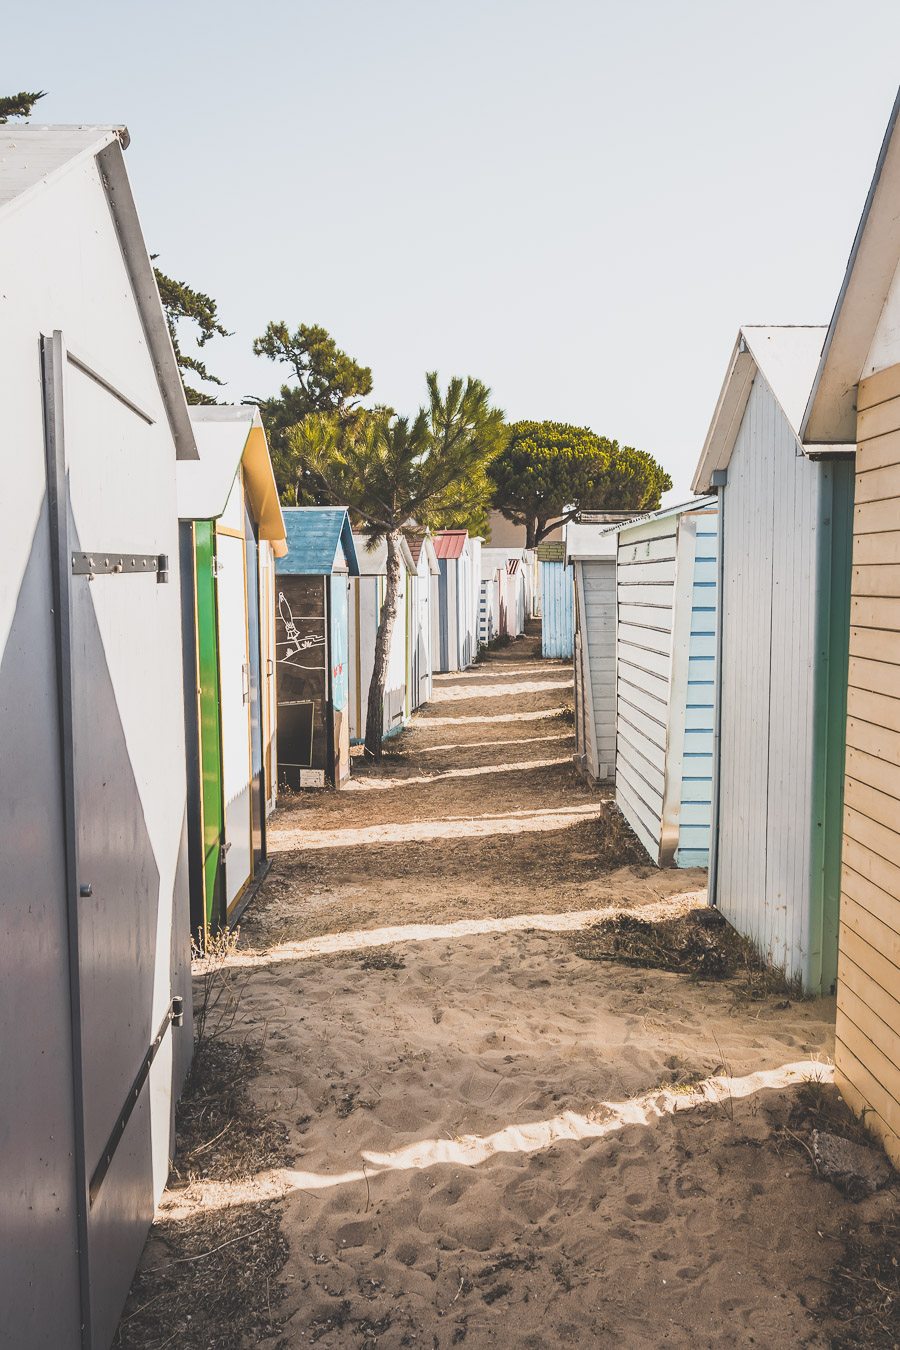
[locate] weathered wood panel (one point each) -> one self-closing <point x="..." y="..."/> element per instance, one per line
<point x="878" y="388"/>
<point x="867" y="1054"/>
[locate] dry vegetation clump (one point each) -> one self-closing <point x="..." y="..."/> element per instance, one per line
<point x="210" y="1280"/>
<point x="700" y="943"/>
<point x="864" y="1290"/>
<point x="616" y="843"/>
<point x="220" y="1134"/>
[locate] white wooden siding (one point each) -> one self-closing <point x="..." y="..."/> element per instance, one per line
<point x="768" y="659"/>
<point x="867" y="1048"/>
<point x="595" y="666"/>
<point x="645" y="577"/>
<point x="665" y="682"/>
<point x="697" y="755"/>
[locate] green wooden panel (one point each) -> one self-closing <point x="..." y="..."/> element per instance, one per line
<point x="835" y="535"/>
<point x="210" y="727"/>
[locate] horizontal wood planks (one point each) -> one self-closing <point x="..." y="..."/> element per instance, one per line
<point x="867" y="1052"/>
<point x="665" y="682"/>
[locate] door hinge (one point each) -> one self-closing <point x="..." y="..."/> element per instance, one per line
<point x="92" y="565"/>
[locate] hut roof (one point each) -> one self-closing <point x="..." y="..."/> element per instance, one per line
<point x="373" y="561"/>
<point x="787" y="358"/>
<point x="830" y="416"/>
<point x="315" y="534"/>
<point x="450" y="543"/>
<point x="226" y="436"/>
<point x="32" y="159"/>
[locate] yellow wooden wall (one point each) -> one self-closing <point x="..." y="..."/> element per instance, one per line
<point x="867" y="1054"/>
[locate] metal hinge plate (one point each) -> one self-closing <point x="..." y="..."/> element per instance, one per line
<point x="92" y="565"/>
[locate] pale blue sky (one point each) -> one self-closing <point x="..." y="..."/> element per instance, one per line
<point x="578" y="202"/>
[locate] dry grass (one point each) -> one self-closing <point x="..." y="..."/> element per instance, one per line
<point x="864" y="1290"/>
<point x="616" y="843"/>
<point x="208" y="1281"/>
<point x="699" y="943"/>
<point x="210" y="1277"/>
<point x="220" y="1135"/>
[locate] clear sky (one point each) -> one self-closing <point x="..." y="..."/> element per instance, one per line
<point x="577" y="201"/>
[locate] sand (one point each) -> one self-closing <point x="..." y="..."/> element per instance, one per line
<point x="491" y="1140"/>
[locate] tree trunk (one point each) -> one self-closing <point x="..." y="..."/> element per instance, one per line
<point x="532" y="528"/>
<point x="386" y="620"/>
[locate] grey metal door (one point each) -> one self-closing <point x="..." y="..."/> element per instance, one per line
<point x="121" y="1014"/>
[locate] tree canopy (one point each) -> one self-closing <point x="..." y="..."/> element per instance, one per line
<point x="179" y="301"/>
<point x="396" y="472"/>
<point x="18" y="105"/>
<point x="550" y="471"/>
<point x="328" y="382"/>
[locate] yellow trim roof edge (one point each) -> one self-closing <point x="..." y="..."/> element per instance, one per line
<point x="259" y="479"/>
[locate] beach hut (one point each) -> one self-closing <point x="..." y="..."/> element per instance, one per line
<point x="557" y="601"/>
<point x="855" y="402"/>
<point x="665" y="679"/>
<point x="591" y="554"/>
<point x="95" y="991"/>
<point x="459" y="585"/>
<point x="786" y="531"/>
<point x="231" y="530"/>
<point x="423" y="603"/>
<point x="312" y="582"/>
<point x="508" y="569"/>
<point x="366" y="599"/>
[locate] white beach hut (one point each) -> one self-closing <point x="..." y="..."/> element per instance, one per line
<point x="665" y="679"/>
<point x="590" y="551"/>
<point x="423" y="604"/>
<point x="367" y="592"/>
<point x="459" y="586"/>
<point x="95" y="991"/>
<point x="232" y="530"/>
<point x="786" y="521"/>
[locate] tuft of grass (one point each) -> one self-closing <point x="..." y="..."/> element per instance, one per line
<point x="701" y="944"/>
<point x="616" y="843"/>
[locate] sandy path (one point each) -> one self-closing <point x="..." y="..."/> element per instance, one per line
<point x="490" y="1139"/>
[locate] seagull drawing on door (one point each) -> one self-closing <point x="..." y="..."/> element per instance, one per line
<point x="293" y="643"/>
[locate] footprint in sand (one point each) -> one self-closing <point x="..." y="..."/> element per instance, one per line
<point x="531" y="1197"/>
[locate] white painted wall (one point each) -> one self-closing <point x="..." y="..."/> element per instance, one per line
<point x="768" y="655"/>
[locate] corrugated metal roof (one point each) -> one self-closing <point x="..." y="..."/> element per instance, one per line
<point x="313" y="536"/>
<point x="450" y="543"/>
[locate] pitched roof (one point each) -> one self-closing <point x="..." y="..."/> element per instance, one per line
<point x="450" y="543"/>
<point x="830" y="416"/>
<point x="787" y="358"/>
<point x="228" y="435"/>
<point x="32" y="159"/>
<point x="314" y="534"/>
<point x="373" y="561"/>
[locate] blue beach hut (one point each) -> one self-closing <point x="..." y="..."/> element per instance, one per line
<point x="311" y="644"/>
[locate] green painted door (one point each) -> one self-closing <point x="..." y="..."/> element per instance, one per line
<point x="210" y="729"/>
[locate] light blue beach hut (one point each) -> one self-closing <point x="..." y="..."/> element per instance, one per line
<point x="665" y="679"/>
